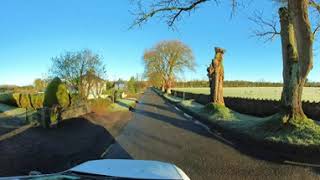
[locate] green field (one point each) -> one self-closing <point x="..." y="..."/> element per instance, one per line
<point x="309" y="93"/>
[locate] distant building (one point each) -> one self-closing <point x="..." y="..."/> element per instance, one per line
<point x="96" y="86"/>
<point x="119" y="85"/>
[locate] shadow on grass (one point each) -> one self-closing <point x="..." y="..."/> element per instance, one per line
<point x="123" y="104"/>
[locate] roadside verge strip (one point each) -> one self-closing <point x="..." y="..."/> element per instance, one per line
<point x="16" y="132"/>
<point x="281" y="152"/>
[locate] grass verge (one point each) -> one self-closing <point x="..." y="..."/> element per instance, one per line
<point x="102" y="106"/>
<point x="260" y="129"/>
<point x="122" y="105"/>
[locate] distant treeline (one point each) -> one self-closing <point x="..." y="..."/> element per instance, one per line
<point x="237" y="83"/>
<point x="13" y="88"/>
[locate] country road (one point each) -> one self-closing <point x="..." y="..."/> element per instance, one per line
<point x="158" y="131"/>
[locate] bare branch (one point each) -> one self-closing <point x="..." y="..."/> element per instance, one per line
<point x="315" y="5"/>
<point x="169" y="9"/>
<point x="267" y="29"/>
<point x="316" y="30"/>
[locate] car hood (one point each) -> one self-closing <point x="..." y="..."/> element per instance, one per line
<point x="137" y="169"/>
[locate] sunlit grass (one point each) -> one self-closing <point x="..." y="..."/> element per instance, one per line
<point x="122" y="105"/>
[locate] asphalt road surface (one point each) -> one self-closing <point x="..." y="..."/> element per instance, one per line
<point x="158" y="131"/>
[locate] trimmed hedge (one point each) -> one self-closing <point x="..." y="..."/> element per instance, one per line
<point x="25" y="101"/>
<point x="16" y="97"/>
<point x="8" y="99"/>
<point x="56" y="94"/>
<point x="30" y="101"/>
<point x="37" y="100"/>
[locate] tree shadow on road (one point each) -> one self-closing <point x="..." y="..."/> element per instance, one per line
<point x="53" y="150"/>
<point x="160" y="107"/>
<point x="116" y="151"/>
<point x="180" y="122"/>
<point x="189" y="125"/>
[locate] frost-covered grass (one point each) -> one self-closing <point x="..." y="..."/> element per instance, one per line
<point x="269" y="128"/>
<point x="309" y="93"/>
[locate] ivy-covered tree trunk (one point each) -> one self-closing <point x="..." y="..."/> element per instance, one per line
<point x="216" y="77"/>
<point x="297" y="42"/>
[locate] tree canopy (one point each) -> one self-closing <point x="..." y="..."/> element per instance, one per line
<point x="75" y="67"/>
<point x="166" y="59"/>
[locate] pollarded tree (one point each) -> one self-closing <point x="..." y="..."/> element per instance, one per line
<point x="168" y="58"/>
<point x="216" y="77"/>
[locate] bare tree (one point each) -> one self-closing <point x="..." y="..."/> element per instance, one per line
<point x="167" y="59"/>
<point x="73" y="67"/>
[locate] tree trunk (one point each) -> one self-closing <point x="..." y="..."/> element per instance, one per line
<point x="169" y="84"/>
<point x="216" y="77"/>
<point x="297" y="55"/>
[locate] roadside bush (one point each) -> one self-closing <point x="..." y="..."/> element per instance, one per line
<point x="37" y="100"/>
<point x="16" y="97"/>
<point x="25" y="101"/>
<point x="100" y="105"/>
<point x="54" y="115"/>
<point x="56" y="94"/>
<point x="7" y="98"/>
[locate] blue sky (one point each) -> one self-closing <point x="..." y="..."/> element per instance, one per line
<point x="33" y="31"/>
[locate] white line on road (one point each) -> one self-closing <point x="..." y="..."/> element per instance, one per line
<point x="301" y="164"/>
<point x="187" y="115"/>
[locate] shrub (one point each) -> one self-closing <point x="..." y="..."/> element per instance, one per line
<point x="56" y="94"/>
<point x="16" y="97"/>
<point x="100" y="105"/>
<point x="25" y="101"/>
<point x="37" y="100"/>
<point x="7" y="98"/>
<point x="63" y="95"/>
<point x="54" y="115"/>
